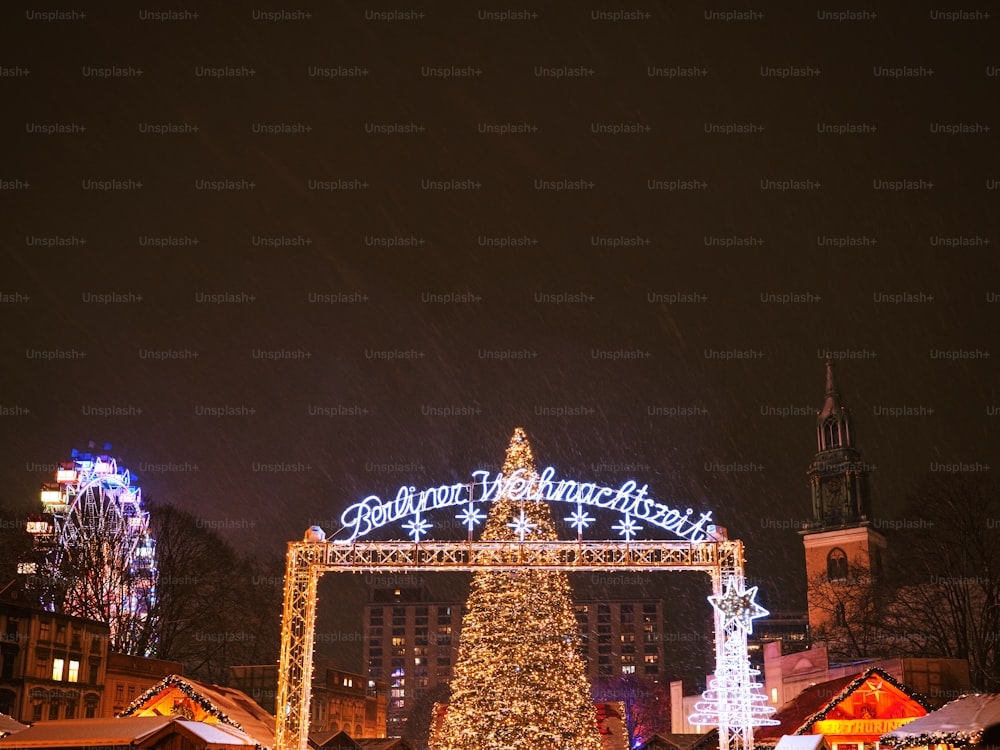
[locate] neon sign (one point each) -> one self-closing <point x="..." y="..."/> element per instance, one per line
<point x="629" y="499"/>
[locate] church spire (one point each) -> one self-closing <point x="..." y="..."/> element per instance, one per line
<point x="833" y="422"/>
<point x="832" y="402"/>
<point x="838" y="477"/>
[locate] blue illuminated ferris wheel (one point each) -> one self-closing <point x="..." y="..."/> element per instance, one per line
<point x="93" y="554"/>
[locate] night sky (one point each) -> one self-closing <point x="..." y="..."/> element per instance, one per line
<point x="236" y="269"/>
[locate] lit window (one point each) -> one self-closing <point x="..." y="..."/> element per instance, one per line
<point x="74" y="671"/>
<point x="57" y="669"/>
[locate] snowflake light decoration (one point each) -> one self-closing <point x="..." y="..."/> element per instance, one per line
<point x="471" y="517"/>
<point x="627" y="528"/>
<point x="522" y="525"/>
<point x="580" y="520"/>
<point x="416" y="527"/>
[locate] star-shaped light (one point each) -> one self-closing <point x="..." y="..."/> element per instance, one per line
<point x="416" y="527"/>
<point x="471" y="517"/>
<point x="737" y="605"/>
<point x="580" y="520"/>
<point x="876" y="686"/>
<point x="627" y="528"/>
<point x="522" y="525"/>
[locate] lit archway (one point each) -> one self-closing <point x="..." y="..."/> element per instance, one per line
<point x="733" y="701"/>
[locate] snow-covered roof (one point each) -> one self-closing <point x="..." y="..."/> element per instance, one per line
<point x="9" y="725"/>
<point x="124" y="732"/>
<point x="959" y="723"/>
<point x="385" y="743"/>
<point x="801" y="742"/>
<point x="334" y="739"/>
<point x="228" y="705"/>
<point x="96" y="731"/>
<point x="216" y="734"/>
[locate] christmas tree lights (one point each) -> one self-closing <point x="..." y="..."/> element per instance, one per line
<point x="519" y="681"/>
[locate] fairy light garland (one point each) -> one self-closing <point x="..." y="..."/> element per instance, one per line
<point x="955" y="738"/>
<point x="854" y="685"/>
<point x="176" y="681"/>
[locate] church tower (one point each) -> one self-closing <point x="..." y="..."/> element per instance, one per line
<point x="844" y="554"/>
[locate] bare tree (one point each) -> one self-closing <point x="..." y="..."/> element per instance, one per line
<point x="947" y="602"/>
<point x="940" y="596"/>
<point x="854" y="605"/>
<point x="646" y="703"/>
<point x="214" y="608"/>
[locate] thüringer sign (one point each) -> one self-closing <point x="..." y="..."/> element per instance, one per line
<point x="629" y="499"/>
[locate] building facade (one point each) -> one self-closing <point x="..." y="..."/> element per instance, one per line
<point x="622" y="637"/>
<point x="790" y="628"/>
<point x="340" y="701"/>
<point x="348" y="702"/>
<point x="412" y="643"/>
<point x="129" y="676"/>
<point x="52" y="666"/>
<point x="844" y="553"/>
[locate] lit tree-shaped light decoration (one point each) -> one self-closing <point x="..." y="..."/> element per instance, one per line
<point x="733" y="698"/>
<point x="519" y="682"/>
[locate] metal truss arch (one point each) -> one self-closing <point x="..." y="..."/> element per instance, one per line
<point x="306" y="561"/>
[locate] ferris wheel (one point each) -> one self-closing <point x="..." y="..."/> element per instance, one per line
<point x="94" y="557"/>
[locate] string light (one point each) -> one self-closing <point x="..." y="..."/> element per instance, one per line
<point x="519" y="680"/>
<point x="734" y="699"/>
<point x="855" y="685"/>
<point x="178" y="682"/>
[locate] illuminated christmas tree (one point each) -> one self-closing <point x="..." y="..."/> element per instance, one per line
<point x="519" y="681"/>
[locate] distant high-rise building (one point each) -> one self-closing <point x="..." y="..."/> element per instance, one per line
<point x="412" y="642"/>
<point x="791" y="628"/>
